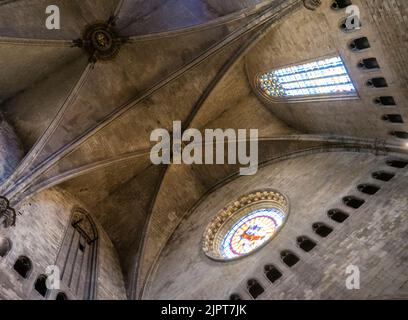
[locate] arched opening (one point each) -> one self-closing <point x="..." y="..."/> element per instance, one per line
<point x="383" y="176"/>
<point x="353" y="202"/>
<point x="393" y="118"/>
<point x="254" y="288"/>
<point x="61" y="296"/>
<point x="305" y="243"/>
<point x="41" y="285"/>
<point x="359" y="44"/>
<point x="399" y="164"/>
<point x="337" y="215"/>
<point x="369" y="189"/>
<point x="400" y="134"/>
<point x="23" y="266"/>
<point x="272" y="273"/>
<point x="385" y="101"/>
<point x="379" y="82"/>
<point x="77" y="259"/>
<point x="5" y="246"/>
<point x="369" y="64"/>
<point x="322" y="229"/>
<point x="289" y="258"/>
<point x="340" y="4"/>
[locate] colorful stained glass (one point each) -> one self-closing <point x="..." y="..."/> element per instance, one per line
<point x="323" y="77"/>
<point x="251" y="232"/>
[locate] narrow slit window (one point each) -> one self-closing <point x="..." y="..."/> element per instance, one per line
<point x="325" y="78"/>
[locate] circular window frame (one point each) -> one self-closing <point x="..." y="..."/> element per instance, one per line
<point x="219" y="226"/>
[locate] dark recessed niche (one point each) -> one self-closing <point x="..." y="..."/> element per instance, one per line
<point x="322" y="229"/>
<point x="400" y="134"/>
<point x="379" y="82"/>
<point x="340" y="4"/>
<point x="369" y="64"/>
<point x="393" y="118"/>
<point x="254" y="288"/>
<point x="272" y="273"/>
<point x="353" y="202"/>
<point x="235" y="297"/>
<point x="61" y="296"/>
<point x="289" y="258"/>
<point x="383" y="176"/>
<point x="337" y="215"/>
<point x="399" y="164"/>
<point x="5" y="246"/>
<point x="23" y="266"/>
<point x="385" y="101"/>
<point x="359" y="44"/>
<point x="305" y="243"/>
<point x="41" y="285"/>
<point x="369" y="189"/>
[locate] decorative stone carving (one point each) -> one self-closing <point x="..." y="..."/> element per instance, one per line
<point x="82" y="222"/>
<point x="7" y="214"/>
<point x="234" y="211"/>
<point x="101" y="41"/>
<point x="312" y="4"/>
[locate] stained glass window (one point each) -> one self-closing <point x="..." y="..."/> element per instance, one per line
<point x="245" y="225"/>
<point x="251" y="232"/>
<point x="327" y="77"/>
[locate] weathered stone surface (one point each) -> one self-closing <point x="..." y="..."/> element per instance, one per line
<point x="372" y="238"/>
<point x="202" y="76"/>
<point x="38" y="235"/>
<point x="10" y="150"/>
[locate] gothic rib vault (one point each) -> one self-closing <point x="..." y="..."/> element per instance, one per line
<point x="84" y="120"/>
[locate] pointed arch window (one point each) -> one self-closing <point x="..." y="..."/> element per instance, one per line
<point x="320" y="79"/>
<point x="77" y="258"/>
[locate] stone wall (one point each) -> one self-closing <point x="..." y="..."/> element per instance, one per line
<point x="39" y="232"/>
<point x="10" y="149"/>
<point x="307" y="35"/>
<point x="372" y="238"/>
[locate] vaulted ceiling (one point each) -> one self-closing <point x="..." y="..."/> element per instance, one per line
<point x="85" y="125"/>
